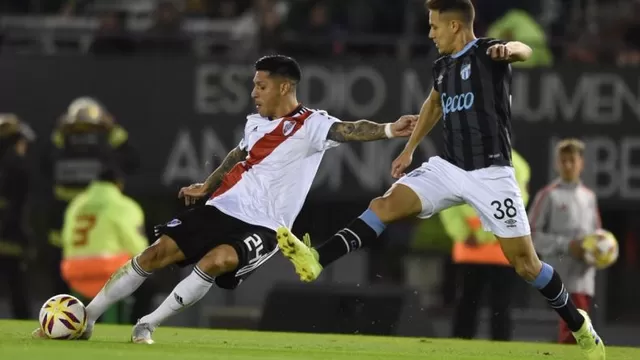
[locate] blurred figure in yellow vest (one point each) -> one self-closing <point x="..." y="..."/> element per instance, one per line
<point x="481" y="264"/>
<point x="86" y="139"/>
<point x="102" y="230"/>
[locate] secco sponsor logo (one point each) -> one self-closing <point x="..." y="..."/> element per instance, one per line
<point x="452" y="104"/>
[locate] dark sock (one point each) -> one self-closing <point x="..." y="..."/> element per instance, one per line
<point x="551" y="287"/>
<point x="358" y="233"/>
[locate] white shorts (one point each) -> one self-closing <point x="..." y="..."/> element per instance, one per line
<point x="493" y="192"/>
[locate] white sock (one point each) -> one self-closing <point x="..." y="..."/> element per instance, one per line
<point x="186" y="293"/>
<point x="121" y="284"/>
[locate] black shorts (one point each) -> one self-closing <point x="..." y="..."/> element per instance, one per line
<point x="200" y="229"/>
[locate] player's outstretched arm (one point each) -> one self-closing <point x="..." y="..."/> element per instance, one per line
<point x="233" y="157"/>
<point x="430" y="113"/>
<point x="519" y="51"/>
<point x="512" y="51"/>
<point x="365" y="130"/>
<point x="192" y="193"/>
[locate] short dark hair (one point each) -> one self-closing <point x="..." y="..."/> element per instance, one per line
<point x="464" y="7"/>
<point x="280" y="65"/>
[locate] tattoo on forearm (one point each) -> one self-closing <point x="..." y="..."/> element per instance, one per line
<point x="362" y="130"/>
<point x="235" y="156"/>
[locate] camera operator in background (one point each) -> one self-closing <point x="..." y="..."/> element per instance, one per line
<point x="85" y="141"/>
<point x="15" y="137"/>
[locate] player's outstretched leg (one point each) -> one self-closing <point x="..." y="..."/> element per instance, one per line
<point x="521" y="254"/>
<point x="398" y="203"/>
<point x="220" y="260"/>
<point x="128" y="278"/>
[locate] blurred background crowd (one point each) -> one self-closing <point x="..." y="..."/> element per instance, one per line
<point x="583" y="31"/>
<point x="166" y="86"/>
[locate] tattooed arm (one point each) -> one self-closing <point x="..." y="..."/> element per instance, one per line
<point x="365" y="130"/>
<point x="193" y="192"/>
<point x="235" y="156"/>
<point x="362" y="130"/>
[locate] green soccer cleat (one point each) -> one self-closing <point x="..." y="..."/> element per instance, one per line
<point x="590" y="342"/>
<point x="301" y="254"/>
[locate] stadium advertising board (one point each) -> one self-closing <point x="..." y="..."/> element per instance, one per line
<point x="184" y="115"/>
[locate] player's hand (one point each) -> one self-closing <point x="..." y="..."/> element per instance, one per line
<point x="192" y="193"/>
<point x="576" y="250"/>
<point x="400" y="164"/>
<point x="499" y="52"/>
<point x="404" y="126"/>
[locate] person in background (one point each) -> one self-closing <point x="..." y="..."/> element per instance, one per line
<point x="86" y="140"/>
<point x="562" y="214"/>
<point x="112" y="37"/>
<point x="15" y="137"/>
<point x="103" y="229"/>
<point x="166" y="35"/>
<point x="519" y="25"/>
<point x="482" y="264"/>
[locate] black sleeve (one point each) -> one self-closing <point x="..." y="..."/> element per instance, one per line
<point x="436" y="72"/>
<point x="483" y="45"/>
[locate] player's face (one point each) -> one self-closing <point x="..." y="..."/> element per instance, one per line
<point x="442" y="31"/>
<point x="570" y="166"/>
<point x="266" y="93"/>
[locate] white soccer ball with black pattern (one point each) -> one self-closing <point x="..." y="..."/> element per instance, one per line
<point x="601" y="249"/>
<point x="63" y="317"/>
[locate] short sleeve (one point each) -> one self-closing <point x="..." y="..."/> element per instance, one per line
<point x="242" y="145"/>
<point x="317" y="128"/>
<point x="436" y="73"/>
<point x="483" y="46"/>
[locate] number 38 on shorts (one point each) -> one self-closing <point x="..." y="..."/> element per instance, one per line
<point x="493" y="192"/>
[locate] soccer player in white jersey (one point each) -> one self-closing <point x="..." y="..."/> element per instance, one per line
<point x="261" y="184"/>
<point x="472" y="88"/>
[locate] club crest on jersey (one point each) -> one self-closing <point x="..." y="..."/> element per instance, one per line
<point x="288" y="127"/>
<point x="174" y="223"/>
<point x="465" y="71"/>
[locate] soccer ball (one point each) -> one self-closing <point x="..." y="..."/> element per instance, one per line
<point x="63" y="317"/>
<point x="600" y="249"/>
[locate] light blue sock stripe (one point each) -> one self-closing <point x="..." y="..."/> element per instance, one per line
<point x="543" y="277"/>
<point x="370" y="218"/>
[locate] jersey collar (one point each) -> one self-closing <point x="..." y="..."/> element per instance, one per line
<point x="292" y="113"/>
<point x="465" y="49"/>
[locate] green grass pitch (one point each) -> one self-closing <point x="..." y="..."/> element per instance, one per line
<point x="111" y="342"/>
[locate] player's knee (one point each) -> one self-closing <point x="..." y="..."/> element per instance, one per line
<point x="527" y="267"/>
<point x="220" y="260"/>
<point x="384" y="208"/>
<point x="160" y="254"/>
<point x="522" y="256"/>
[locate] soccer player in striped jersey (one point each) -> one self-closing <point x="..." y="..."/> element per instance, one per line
<point x="471" y="94"/>
<point x="260" y="185"/>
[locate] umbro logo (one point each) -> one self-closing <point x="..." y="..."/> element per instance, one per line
<point x="255" y="129"/>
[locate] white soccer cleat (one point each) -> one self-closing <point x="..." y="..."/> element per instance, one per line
<point x="141" y="334"/>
